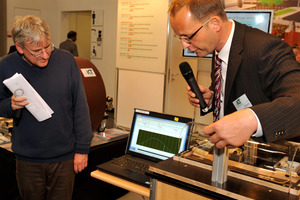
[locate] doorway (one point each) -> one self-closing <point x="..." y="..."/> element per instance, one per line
<point x="79" y="21"/>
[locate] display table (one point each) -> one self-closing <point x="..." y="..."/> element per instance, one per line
<point x="122" y="183"/>
<point x="85" y="186"/>
<point x="176" y="180"/>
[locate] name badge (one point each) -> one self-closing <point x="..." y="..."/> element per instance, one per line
<point x="242" y="102"/>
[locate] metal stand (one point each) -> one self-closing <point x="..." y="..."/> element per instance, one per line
<point x="152" y="189"/>
<point x="220" y="166"/>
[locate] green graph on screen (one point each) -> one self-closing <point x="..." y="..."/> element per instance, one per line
<point x="159" y="142"/>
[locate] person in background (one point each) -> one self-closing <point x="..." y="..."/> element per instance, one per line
<point x="69" y="44"/>
<point x="48" y="153"/>
<point x="259" y="84"/>
<point x="296" y="51"/>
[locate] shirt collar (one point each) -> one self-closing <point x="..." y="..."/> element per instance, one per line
<point x="224" y="53"/>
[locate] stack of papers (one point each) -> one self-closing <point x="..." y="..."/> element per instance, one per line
<point x="113" y="134"/>
<point x="20" y="87"/>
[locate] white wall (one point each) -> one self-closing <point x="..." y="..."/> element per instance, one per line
<point x="50" y="11"/>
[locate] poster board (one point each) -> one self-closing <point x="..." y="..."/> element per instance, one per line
<point x="141" y="51"/>
<point x="138" y="89"/>
<point x="142" y="35"/>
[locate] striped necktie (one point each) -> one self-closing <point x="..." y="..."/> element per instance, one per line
<point x="218" y="85"/>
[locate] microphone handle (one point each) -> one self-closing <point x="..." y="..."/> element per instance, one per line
<point x="18" y="115"/>
<point x="195" y="88"/>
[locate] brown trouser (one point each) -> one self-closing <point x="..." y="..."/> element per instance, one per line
<point x="45" y="181"/>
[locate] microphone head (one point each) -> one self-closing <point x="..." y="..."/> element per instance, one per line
<point x="186" y="70"/>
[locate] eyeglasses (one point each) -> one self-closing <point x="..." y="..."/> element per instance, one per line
<point x="39" y="53"/>
<point x="188" y="39"/>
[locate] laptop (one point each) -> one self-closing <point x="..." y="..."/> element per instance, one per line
<point x="153" y="137"/>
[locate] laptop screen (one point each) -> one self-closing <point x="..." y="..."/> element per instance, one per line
<point x="157" y="136"/>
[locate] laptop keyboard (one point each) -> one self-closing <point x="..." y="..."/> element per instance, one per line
<point x="131" y="164"/>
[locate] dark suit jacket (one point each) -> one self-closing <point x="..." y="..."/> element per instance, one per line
<point x="263" y="67"/>
<point x="70" y="46"/>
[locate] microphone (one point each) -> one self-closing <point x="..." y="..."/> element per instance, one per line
<point x="18" y="114"/>
<point x="188" y="74"/>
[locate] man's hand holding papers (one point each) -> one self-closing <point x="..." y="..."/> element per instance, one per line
<point x="23" y="91"/>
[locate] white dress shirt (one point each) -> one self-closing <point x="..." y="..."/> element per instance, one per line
<point x="224" y="55"/>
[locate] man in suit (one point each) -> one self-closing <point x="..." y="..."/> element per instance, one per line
<point x="260" y="78"/>
<point x="69" y="44"/>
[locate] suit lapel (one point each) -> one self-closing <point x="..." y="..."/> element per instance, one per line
<point x="234" y="61"/>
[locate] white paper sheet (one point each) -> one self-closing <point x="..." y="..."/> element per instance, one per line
<point x="19" y="86"/>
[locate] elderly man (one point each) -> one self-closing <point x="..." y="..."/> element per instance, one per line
<point x="50" y="152"/>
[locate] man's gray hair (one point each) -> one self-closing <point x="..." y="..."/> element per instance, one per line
<point x="29" y="29"/>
